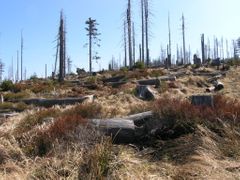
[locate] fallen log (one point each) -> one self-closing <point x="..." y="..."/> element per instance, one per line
<point x="113" y="79"/>
<point x="128" y="129"/>
<point x="156" y="81"/>
<point x="217" y="86"/>
<point x="121" y="130"/>
<point x="211" y="74"/>
<point x="116" y="84"/>
<point x="150" y="82"/>
<point x="52" y="102"/>
<point x="8" y="115"/>
<point x="141" y="118"/>
<point x="215" y="78"/>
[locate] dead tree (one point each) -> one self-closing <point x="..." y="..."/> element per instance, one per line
<point x="129" y="22"/>
<point x="169" y="43"/>
<point x="21" y="56"/>
<point x="134" y="44"/>
<point x="125" y="44"/>
<point x="227" y="50"/>
<point x="146" y="10"/>
<point x="1" y="70"/>
<point x="17" y="73"/>
<point x="62" y="53"/>
<point x="203" y="48"/>
<point x="140" y="53"/>
<point x="56" y="59"/>
<point x="143" y="25"/>
<point x="45" y="71"/>
<point x="183" y="34"/>
<point x="69" y="65"/>
<point x="93" y="40"/>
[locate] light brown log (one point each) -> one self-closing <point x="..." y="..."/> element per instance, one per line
<point x="52" y="102"/>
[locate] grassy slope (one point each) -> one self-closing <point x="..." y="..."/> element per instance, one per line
<point x="197" y="155"/>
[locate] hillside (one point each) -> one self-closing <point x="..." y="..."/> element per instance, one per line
<point x="46" y="132"/>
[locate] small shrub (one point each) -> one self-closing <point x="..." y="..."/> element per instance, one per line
<point x="19" y="107"/>
<point x="16" y="96"/>
<point x="7" y="85"/>
<point x="64" y="125"/>
<point x="156" y="73"/>
<point x="139" y="65"/>
<point x="86" y="110"/>
<point x="32" y="120"/>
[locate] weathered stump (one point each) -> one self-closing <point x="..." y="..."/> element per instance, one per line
<point x="202" y="100"/>
<point x="145" y="92"/>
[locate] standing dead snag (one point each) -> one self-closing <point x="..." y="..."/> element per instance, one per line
<point x="93" y="39"/>
<point x="184" y="45"/>
<point x="62" y="49"/>
<point x="203" y="48"/>
<point x="21" y="56"/>
<point x="125" y="44"/>
<point x="1" y="70"/>
<point x="142" y="13"/>
<point x="129" y="22"/>
<point x="146" y="10"/>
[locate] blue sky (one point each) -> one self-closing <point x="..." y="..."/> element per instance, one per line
<point x="39" y="20"/>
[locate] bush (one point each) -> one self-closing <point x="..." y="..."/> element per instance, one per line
<point x="33" y="120"/>
<point x="64" y="125"/>
<point x="86" y="110"/>
<point x="15" y="96"/>
<point x="7" y="85"/>
<point x="139" y="65"/>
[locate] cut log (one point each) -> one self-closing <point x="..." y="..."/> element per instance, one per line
<point x="202" y="100"/>
<point x="114" y="79"/>
<point x="52" y="102"/>
<point x="215" y="78"/>
<point x="8" y="115"/>
<point x="141" y="118"/>
<point x="145" y="92"/>
<point x="217" y="86"/>
<point x="150" y="82"/>
<point x="121" y="130"/>
<point x="116" y="84"/>
<point x="156" y="81"/>
<point x="211" y="74"/>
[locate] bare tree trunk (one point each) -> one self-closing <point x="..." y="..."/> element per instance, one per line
<point x="140" y="53"/>
<point x="21" y="56"/>
<point x="90" y="46"/>
<point x="125" y="45"/>
<point x="134" y="45"/>
<point x="183" y="33"/>
<point x="56" y="58"/>
<point x="129" y="21"/>
<point x="143" y="44"/>
<point x="62" y="53"/>
<point x="170" y="43"/>
<point x="203" y="48"/>
<point x="146" y="29"/>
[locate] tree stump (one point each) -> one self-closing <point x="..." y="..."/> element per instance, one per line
<point x="202" y="100"/>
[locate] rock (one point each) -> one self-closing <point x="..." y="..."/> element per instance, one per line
<point x="145" y="92"/>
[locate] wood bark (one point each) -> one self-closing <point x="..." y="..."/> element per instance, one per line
<point x="52" y="102"/>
